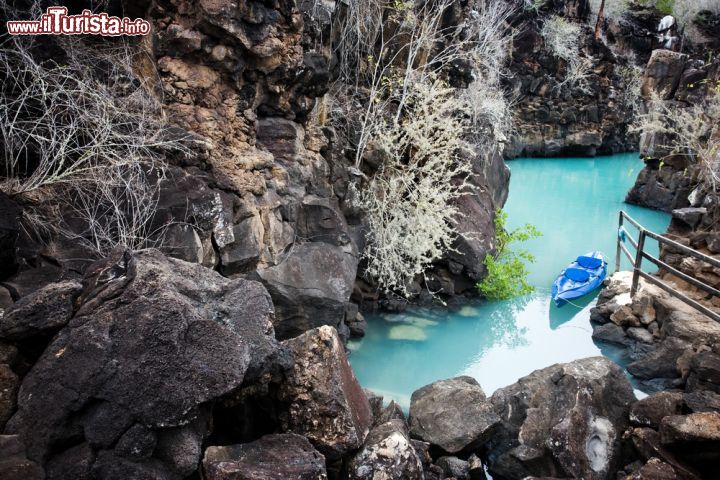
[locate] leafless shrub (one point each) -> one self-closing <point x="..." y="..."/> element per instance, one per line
<point x="630" y="77"/>
<point x="686" y="11"/>
<point x="87" y="131"/>
<point x="692" y="131"/>
<point x="564" y="39"/>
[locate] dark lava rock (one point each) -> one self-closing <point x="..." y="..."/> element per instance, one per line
<point x="10" y="213"/>
<point x="152" y="341"/>
<point x="565" y="420"/>
<point x="325" y="402"/>
<point x="690" y="216"/>
<point x="14" y="465"/>
<point x="310" y="287"/>
<point x="649" y="411"/>
<point x="42" y="312"/>
<point x="704" y="372"/>
<point x="391" y="412"/>
<point x="695" y="427"/>
<point x="9" y="384"/>
<point x="611" y="333"/>
<point x="646" y="442"/>
<point x="454" y="467"/>
<point x="387" y="453"/>
<point x="663" y="73"/>
<point x="655" y="469"/>
<point x="695" y="439"/>
<point x="272" y="457"/>
<point x="661" y="362"/>
<point x="703" y="401"/>
<point x="75" y="462"/>
<point x="453" y="414"/>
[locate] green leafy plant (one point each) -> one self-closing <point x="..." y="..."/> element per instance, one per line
<point x="507" y="270"/>
<point x="665" y="6"/>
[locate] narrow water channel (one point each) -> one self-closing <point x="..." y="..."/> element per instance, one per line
<point x="574" y="202"/>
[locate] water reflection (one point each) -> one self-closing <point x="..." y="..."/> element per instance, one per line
<point x="561" y="315"/>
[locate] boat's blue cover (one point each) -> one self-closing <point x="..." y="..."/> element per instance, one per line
<point x="580" y="277"/>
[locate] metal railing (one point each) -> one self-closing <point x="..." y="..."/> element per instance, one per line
<point x="641" y="254"/>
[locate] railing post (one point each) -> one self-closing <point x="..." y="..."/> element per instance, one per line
<point x="638" y="263"/>
<point x="619" y="241"/>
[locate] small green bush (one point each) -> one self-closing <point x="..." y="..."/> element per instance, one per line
<point x="665" y="6"/>
<point x="507" y="271"/>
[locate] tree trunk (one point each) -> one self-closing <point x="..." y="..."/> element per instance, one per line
<point x="600" y="18"/>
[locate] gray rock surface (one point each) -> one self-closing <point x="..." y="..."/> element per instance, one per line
<point x="272" y="457"/>
<point x="324" y="401"/>
<point x="453" y="415"/>
<point x="310" y="288"/>
<point x="565" y="420"/>
<point x="386" y="453"/>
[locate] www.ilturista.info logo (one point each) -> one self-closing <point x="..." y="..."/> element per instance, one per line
<point x="56" y="21"/>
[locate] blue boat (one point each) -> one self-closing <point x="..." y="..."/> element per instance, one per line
<point x="580" y="277"/>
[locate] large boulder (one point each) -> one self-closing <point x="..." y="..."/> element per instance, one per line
<point x="562" y="421"/>
<point x="153" y="340"/>
<point x="311" y="287"/>
<point x="272" y="457"/>
<point x="387" y="453"/>
<point x="663" y="74"/>
<point x="324" y="401"/>
<point x="453" y="415"/>
<point x="694" y="438"/>
<point x="650" y="411"/>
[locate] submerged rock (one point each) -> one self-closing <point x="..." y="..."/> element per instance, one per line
<point x="565" y="421"/>
<point x="453" y="415"/>
<point x="272" y="457"/>
<point x="325" y="402"/>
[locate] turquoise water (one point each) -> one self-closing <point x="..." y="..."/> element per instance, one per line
<point x="574" y="202"/>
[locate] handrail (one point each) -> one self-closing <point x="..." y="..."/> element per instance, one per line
<point x="641" y="254"/>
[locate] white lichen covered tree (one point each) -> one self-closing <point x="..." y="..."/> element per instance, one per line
<point x="393" y="100"/>
<point x="409" y="201"/>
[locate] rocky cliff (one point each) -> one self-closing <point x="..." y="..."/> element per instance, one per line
<point x="261" y="191"/>
<point x="558" y="119"/>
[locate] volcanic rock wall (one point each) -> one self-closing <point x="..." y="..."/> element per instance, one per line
<point x="262" y="193"/>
